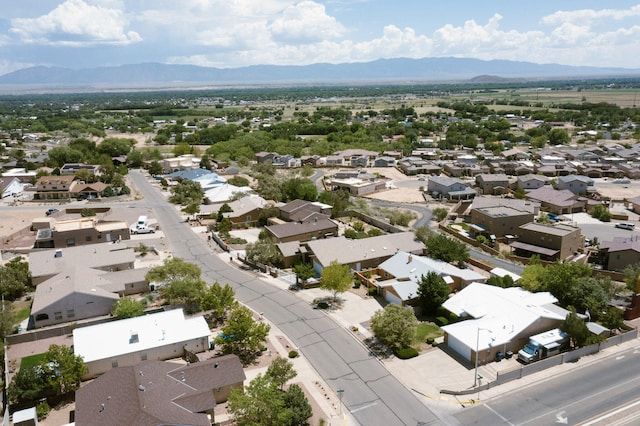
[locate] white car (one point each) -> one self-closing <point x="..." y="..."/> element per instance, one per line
<point x="627" y="226"/>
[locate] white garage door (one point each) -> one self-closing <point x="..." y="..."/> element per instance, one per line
<point x="392" y="298"/>
<point x="459" y="347"/>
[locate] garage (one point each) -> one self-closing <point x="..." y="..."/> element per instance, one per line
<point x="459" y="347"/>
<point x="390" y="297"/>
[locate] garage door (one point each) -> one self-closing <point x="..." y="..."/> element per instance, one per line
<point x="459" y="347"/>
<point x="392" y="298"/>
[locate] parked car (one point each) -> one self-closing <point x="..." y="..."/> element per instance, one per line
<point x="51" y="211"/>
<point x="627" y="226"/>
<point x="143" y="230"/>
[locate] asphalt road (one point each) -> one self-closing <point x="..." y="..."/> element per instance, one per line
<point x="371" y="394"/>
<point x="597" y="394"/>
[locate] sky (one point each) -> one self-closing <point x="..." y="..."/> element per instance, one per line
<point x="234" y="33"/>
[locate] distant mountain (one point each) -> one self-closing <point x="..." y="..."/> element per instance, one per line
<point x="400" y="70"/>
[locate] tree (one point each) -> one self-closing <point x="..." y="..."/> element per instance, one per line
<point x="632" y="277"/>
<point x="281" y="371"/>
<point x="339" y="201"/>
<point x="439" y="213"/>
<point x="115" y="147"/>
<point x="263" y="251"/>
<point x="7" y="319"/>
<point x="192" y="208"/>
<point x="447" y="249"/>
<point x="299" y="189"/>
<point x="303" y="271"/>
<point x="180" y="282"/>
<point x="15" y="278"/>
<point x="219" y="300"/>
<point x="186" y="192"/>
<point x="395" y="326"/>
<point x="155" y="168"/>
<point x="261" y="404"/>
<point x="127" y="308"/>
<point x="433" y="291"/>
<point x="423" y="234"/>
<point x="575" y="327"/>
<point x="336" y="278"/>
<point x="243" y="336"/>
<point x="296" y="401"/>
<point x="558" y="137"/>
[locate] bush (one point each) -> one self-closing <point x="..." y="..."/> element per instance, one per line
<point x="293" y="354"/>
<point x="42" y="409"/>
<point x="430" y="340"/>
<point x="442" y="321"/>
<point x="322" y="305"/>
<point x="453" y="318"/>
<point x="372" y="291"/>
<point x="406" y="353"/>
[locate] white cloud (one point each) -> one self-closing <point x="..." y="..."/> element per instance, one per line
<point x="76" y="23"/>
<point x="587" y="16"/>
<point x="306" y="20"/>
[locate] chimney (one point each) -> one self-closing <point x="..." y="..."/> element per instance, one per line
<point x="410" y="259"/>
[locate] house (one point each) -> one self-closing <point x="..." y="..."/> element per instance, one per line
<point x="265" y="157"/>
<point x="286" y="161"/>
<point x="55" y="187"/>
<point x="206" y="178"/>
<point x="71" y="295"/>
<point x="559" y="201"/>
<point x="451" y="188"/>
<point x="182" y="162"/>
<point x="412" y="166"/>
<point x="500" y="320"/>
<point x="550" y="241"/>
<point x="21" y="173"/>
<point x="245" y="211"/>
<point x="530" y="181"/>
<point x="635" y="204"/>
<point x="73" y="168"/>
<point x="577" y="184"/>
<point x="493" y="184"/>
<point x="159" y="393"/>
<point x="45" y="264"/>
<point x="303" y="231"/>
<point x="620" y="252"/>
<point x="225" y="192"/>
<point x="357" y="186"/>
<point x="363" y="253"/>
<point x="302" y="210"/>
<point x="398" y="278"/>
<point x="89" y="190"/>
<point x="10" y="186"/>
<point x="499" y="221"/>
<point x="126" y="342"/>
<point x="384" y="161"/>
<point x="82" y="231"/>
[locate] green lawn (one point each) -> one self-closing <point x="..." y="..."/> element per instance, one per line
<point x="427" y="329"/>
<point x="31" y="360"/>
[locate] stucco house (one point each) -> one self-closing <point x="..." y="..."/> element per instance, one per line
<point x="577" y="184"/>
<point x="550" y="241"/>
<point x="500" y="320"/>
<point x="126" y="342"/>
<point x="452" y="188"/>
<point x="620" y="252"/>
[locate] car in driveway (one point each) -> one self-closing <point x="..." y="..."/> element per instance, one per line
<point x="625" y="225"/>
<point x="143" y="230"/>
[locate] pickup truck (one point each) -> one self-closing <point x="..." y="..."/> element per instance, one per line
<point x="143" y="230"/>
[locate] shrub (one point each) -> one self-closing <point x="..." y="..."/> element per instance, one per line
<point x="293" y="354"/>
<point x="372" y="291"/>
<point x="442" y="321"/>
<point x="42" y="409"/>
<point x="322" y="305"/>
<point x="453" y="318"/>
<point x="406" y="353"/>
<point x="430" y="340"/>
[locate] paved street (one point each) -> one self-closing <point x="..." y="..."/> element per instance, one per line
<point x="371" y="394"/>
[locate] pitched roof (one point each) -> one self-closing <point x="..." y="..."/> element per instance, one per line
<point x="504" y="311"/>
<point x="290" y="229"/>
<point x="347" y="251"/>
<point x="622" y="244"/>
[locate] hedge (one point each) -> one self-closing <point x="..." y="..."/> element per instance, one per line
<point x="406" y="353"/>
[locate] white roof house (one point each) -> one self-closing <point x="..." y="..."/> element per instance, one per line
<point x="408" y="269"/>
<point x="225" y="192"/>
<point x="116" y="343"/>
<point x="503" y="319"/>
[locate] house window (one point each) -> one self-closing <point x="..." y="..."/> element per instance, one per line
<point x="87" y="238"/>
<point x="42" y="317"/>
<point x="143" y="356"/>
<point x="71" y="313"/>
<point x="99" y="236"/>
<point x="71" y="242"/>
<point x="57" y="315"/>
<point x="114" y="363"/>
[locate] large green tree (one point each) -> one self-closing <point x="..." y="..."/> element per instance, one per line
<point x="336" y="278"/>
<point x="186" y="192"/>
<point x="395" y="326"/>
<point x="263" y="251"/>
<point x="433" y="292"/>
<point x="15" y="278"/>
<point x="242" y="335"/>
<point x="127" y="307"/>
<point x="218" y="301"/>
<point x="575" y="327"/>
<point x="180" y="282"/>
<point x="441" y="247"/>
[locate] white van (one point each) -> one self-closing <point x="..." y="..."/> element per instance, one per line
<point x="627" y="226"/>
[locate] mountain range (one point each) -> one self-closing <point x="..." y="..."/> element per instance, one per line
<point x="401" y="70"/>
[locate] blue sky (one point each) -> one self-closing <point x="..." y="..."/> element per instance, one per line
<point x="234" y="33"/>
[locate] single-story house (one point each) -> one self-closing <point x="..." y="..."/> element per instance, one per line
<point x="303" y="231"/>
<point x="126" y="342"/>
<point x="159" y="393"/>
<point x="10" y="186"/>
<point x="500" y="320"/>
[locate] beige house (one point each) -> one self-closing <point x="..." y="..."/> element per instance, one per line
<point x="55" y="187"/>
<point x="620" y="253"/>
<point x="126" y="342"/>
<point x="82" y="231"/>
<point x="303" y="231"/>
<point x="550" y="241"/>
<point x="493" y="184"/>
<point x="245" y="211"/>
<point x="499" y="220"/>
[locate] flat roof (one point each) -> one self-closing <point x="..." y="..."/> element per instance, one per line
<point x="137" y="334"/>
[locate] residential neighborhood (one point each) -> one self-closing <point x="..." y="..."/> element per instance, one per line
<point x="175" y="279"/>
